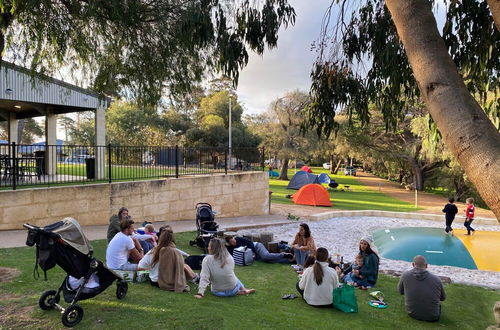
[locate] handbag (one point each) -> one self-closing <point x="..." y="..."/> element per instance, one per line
<point x="242" y="256"/>
<point x="194" y="261"/>
<point x="344" y="299"/>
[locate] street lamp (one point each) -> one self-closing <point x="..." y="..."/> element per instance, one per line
<point x="230" y="141"/>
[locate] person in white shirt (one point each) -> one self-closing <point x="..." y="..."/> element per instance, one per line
<point x="318" y="282"/>
<point x="217" y="269"/>
<point x="123" y="248"/>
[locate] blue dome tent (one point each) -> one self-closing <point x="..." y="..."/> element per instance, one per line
<point x="300" y="179"/>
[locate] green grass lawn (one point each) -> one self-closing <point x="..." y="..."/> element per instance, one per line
<point x="146" y="307"/>
<point x="357" y="198"/>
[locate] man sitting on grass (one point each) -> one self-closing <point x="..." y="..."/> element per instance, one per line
<point x="423" y="291"/>
<point x="123" y="248"/>
<point x="260" y="251"/>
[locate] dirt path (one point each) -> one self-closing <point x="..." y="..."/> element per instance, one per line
<point x="431" y="203"/>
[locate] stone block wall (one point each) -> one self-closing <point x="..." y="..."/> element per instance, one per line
<point x="235" y="194"/>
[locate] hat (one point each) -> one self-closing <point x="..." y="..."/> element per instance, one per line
<point x="369" y="240"/>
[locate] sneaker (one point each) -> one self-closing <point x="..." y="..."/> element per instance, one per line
<point x="296" y="267"/>
<point x="196" y="279"/>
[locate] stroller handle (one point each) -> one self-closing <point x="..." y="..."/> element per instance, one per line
<point x="28" y="226"/>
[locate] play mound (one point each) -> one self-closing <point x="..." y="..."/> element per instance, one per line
<point x="312" y="194"/>
<point x="473" y="252"/>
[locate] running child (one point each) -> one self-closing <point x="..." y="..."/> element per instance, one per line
<point x="469" y="215"/>
<point x="450" y="210"/>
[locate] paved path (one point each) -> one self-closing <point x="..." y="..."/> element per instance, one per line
<point x="430" y="203"/>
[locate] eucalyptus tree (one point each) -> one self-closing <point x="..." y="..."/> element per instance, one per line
<point x="391" y="54"/>
<point x="140" y="48"/>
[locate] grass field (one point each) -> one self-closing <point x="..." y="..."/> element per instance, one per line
<point x="146" y="307"/>
<point x="357" y="197"/>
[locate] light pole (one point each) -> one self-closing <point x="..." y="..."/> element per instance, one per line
<point x="230" y="141"/>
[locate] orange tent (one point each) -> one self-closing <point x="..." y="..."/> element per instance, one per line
<point x="312" y="194"/>
<point x="306" y="168"/>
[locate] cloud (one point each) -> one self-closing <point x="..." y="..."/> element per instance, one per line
<point x="287" y="67"/>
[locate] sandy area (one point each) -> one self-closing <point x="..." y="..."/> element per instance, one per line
<point x="342" y="235"/>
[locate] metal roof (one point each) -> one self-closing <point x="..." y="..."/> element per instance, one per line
<point x="30" y="95"/>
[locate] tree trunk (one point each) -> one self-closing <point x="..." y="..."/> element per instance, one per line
<point x="332" y="159"/>
<point x="284" y="170"/>
<point x="337" y="166"/>
<point x="466" y="130"/>
<point x="495" y="11"/>
<point x="20" y="130"/>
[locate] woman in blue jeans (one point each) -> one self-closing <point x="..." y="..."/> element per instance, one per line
<point x="303" y="245"/>
<point x="217" y="269"/>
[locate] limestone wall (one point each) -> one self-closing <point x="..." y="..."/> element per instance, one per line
<point x="235" y="194"/>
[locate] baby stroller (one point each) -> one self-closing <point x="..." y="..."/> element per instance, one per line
<point x="63" y="243"/>
<point x="206" y="227"/>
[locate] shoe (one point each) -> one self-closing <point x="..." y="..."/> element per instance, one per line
<point x="296" y="267"/>
<point x="196" y="280"/>
<point x="473" y="232"/>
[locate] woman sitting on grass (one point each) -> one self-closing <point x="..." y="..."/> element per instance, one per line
<point x="371" y="262"/>
<point x="319" y="281"/>
<point x="303" y="245"/>
<point x="217" y="269"/>
<point x="166" y="265"/>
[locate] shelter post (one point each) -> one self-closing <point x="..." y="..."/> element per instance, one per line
<point x="51" y="143"/>
<point x="15" y="165"/>
<point x="100" y="141"/>
<point x="13" y="124"/>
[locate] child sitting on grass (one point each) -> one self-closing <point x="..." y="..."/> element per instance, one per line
<point x="354" y="277"/>
<point x="149" y="229"/>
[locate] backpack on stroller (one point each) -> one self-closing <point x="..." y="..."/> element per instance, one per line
<point x="206" y="227"/>
<point x="63" y="243"/>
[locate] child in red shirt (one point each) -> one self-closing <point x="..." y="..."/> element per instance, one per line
<point x="469" y="215"/>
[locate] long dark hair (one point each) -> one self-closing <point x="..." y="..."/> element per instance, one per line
<point x="321" y="255"/>
<point x="307" y="231"/>
<point x="166" y="239"/>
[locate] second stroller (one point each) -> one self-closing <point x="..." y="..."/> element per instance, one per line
<point x="206" y="227"/>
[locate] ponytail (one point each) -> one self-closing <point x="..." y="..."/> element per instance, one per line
<point x="321" y="256"/>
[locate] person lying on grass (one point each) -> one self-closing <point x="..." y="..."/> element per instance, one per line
<point x="318" y="282"/>
<point x="166" y="266"/>
<point x="217" y="269"/>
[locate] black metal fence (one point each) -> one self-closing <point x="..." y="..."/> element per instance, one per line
<point x="46" y="165"/>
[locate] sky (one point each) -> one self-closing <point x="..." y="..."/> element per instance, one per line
<point x="287" y="67"/>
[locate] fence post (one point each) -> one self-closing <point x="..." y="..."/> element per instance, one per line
<point x="225" y="161"/>
<point x="176" y="161"/>
<point x="109" y="163"/>
<point x="15" y="166"/>
<point x="263" y="163"/>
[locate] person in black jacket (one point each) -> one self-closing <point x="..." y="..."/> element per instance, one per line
<point x="259" y="250"/>
<point x="450" y="210"/>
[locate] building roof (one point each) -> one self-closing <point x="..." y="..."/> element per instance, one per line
<point x="32" y="95"/>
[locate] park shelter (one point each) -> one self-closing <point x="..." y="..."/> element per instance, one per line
<point x="26" y="95"/>
<point x="312" y="194"/>
<point x="306" y="168"/>
<point x="302" y="178"/>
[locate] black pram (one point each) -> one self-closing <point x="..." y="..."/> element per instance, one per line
<point x="206" y="227"/>
<point x="63" y="243"/>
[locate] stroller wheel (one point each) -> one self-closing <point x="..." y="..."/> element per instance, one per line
<point x="48" y="300"/>
<point x="72" y="316"/>
<point x="121" y="289"/>
<point x="192" y="243"/>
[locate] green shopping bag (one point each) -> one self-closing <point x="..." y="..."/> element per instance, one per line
<point x="344" y="299"/>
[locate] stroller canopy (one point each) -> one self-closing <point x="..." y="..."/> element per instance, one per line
<point x="71" y="233"/>
<point x="300" y="179"/>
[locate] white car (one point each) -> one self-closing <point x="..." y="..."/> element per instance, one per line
<point x="327" y="166"/>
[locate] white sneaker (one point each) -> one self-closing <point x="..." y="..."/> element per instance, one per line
<point x="296" y="267"/>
